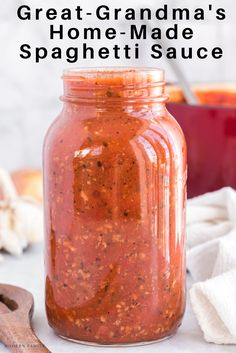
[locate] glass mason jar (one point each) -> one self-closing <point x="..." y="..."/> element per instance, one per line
<point x="115" y="192"/>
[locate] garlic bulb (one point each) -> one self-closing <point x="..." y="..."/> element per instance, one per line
<point x="21" y="219"/>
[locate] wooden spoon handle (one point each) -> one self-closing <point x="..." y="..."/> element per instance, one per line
<point x="21" y="340"/>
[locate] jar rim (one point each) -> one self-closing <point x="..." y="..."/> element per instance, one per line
<point x="120" y="74"/>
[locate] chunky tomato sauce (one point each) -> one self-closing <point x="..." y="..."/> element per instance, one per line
<point x="220" y="96"/>
<point x="207" y="94"/>
<point x="114" y="177"/>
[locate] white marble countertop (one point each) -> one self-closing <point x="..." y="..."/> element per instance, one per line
<point x="27" y="272"/>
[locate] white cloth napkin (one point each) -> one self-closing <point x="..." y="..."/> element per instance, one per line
<point x="211" y="260"/>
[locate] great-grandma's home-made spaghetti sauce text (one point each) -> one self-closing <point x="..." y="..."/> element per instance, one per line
<point x="114" y="189"/>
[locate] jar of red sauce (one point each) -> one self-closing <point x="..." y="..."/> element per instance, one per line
<point x="115" y="192"/>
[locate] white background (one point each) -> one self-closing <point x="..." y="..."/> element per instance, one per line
<point x="29" y="91"/>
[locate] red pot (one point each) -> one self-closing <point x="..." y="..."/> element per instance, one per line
<point x="210" y="133"/>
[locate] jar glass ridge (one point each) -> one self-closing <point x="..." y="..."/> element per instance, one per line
<point x="115" y="194"/>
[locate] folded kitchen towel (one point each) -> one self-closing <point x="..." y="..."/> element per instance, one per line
<point x="211" y="260"/>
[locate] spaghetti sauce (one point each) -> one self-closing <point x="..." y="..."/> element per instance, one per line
<point x="114" y="187"/>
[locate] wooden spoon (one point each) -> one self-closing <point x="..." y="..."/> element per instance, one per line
<point x="16" y="310"/>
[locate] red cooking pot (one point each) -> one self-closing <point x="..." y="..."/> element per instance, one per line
<point x="210" y="133"/>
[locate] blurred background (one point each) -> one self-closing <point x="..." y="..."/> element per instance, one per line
<point x="30" y="92"/>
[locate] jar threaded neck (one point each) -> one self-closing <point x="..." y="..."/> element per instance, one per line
<point x="114" y="84"/>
